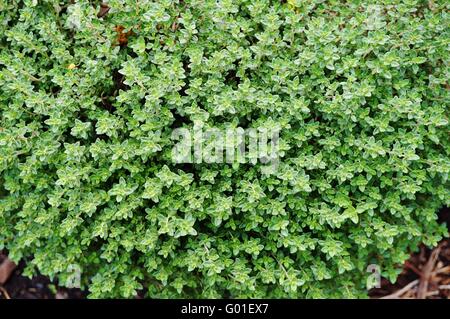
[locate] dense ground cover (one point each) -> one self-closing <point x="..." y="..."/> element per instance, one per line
<point x="90" y="97"/>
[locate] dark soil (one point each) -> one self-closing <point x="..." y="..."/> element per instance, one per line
<point x="38" y="287"/>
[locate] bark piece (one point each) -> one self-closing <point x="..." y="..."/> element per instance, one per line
<point x="6" y="269"/>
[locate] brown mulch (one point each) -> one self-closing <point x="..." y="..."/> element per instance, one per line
<point x="426" y="275"/>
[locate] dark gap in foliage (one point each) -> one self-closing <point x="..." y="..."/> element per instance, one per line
<point x="231" y="77"/>
<point x="178" y="120"/>
<point x="132" y="54"/>
<point x="118" y="82"/>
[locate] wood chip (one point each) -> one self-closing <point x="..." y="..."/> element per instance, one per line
<point x="4" y="292"/>
<point x="6" y="269"/>
<point x="104" y="8"/>
<point x="442" y="287"/>
<point x="399" y="293"/>
<point x="426" y="273"/>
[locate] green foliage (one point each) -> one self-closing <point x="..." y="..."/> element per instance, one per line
<point x="360" y="91"/>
